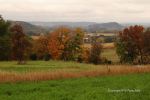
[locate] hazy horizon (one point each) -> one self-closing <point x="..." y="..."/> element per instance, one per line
<point x="122" y="11"/>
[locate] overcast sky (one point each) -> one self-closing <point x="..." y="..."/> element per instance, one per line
<point x="76" y="10"/>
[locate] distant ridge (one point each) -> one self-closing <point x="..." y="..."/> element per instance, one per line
<point x="88" y="26"/>
<point x="56" y="24"/>
<point x="30" y="29"/>
<point x="105" y="27"/>
<point x="35" y="28"/>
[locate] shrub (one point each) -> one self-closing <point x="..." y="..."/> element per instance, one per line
<point x="33" y="56"/>
<point x="95" y="54"/>
<point x="84" y="55"/>
<point x="109" y="39"/>
<point x="47" y="57"/>
<point x="105" y="61"/>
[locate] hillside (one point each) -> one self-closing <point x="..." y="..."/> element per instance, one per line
<point x="30" y="28"/>
<point x="105" y="27"/>
<point x="88" y="26"/>
<point x="34" y="28"/>
<point x="70" y="24"/>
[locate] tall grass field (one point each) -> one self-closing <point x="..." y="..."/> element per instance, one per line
<point x="123" y="87"/>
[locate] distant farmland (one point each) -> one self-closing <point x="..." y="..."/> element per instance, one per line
<point x="105" y="45"/>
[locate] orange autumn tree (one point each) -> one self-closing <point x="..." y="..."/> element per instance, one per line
<point x="40" y="47"/>
<point x="73" y="47"/>
<point x="57" y="40"/>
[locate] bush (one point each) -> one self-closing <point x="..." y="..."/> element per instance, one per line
<point x="105" y="61"/>
<point x="5" y="49"/>
<point x="47" y="57"/>
<point x="95" y="54"/>
<point x="33" y="57"/>
<point x="80" y="59"/>
<point x="109" y="39"/>
<point x="84" y="56"/>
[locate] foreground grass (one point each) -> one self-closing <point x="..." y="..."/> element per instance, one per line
<point x="80" y="89"/>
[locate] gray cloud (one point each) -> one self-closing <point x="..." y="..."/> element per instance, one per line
<point x="76" y="10"/>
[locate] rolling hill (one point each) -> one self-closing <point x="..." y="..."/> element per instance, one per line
<point x="35" y="28"/>
<point x="30" y="29"/>
<point x="105" y="27"/>
<point x="88" y="26"/>
<point x="69" y="24"/>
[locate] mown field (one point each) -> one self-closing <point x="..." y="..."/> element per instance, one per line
<point x="98" y="88"/>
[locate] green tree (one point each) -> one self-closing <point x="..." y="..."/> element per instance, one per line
<point x="5" y="47"/>
<point x="72" y="48"/>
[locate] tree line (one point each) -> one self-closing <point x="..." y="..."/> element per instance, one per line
<point x="132" y="45"/>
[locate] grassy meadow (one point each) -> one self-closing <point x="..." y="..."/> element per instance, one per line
<point x="97" y="88"/>
<point x="110" y="54"/>
<point x="52" y="70"/>
<point x="59" y="80"/>
<point x="52" y="65"/>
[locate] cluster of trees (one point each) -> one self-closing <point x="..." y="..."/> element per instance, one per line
<point x="14" y="44"/>
<point x="61" y="44"/>
<point x="133" y="45"/>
